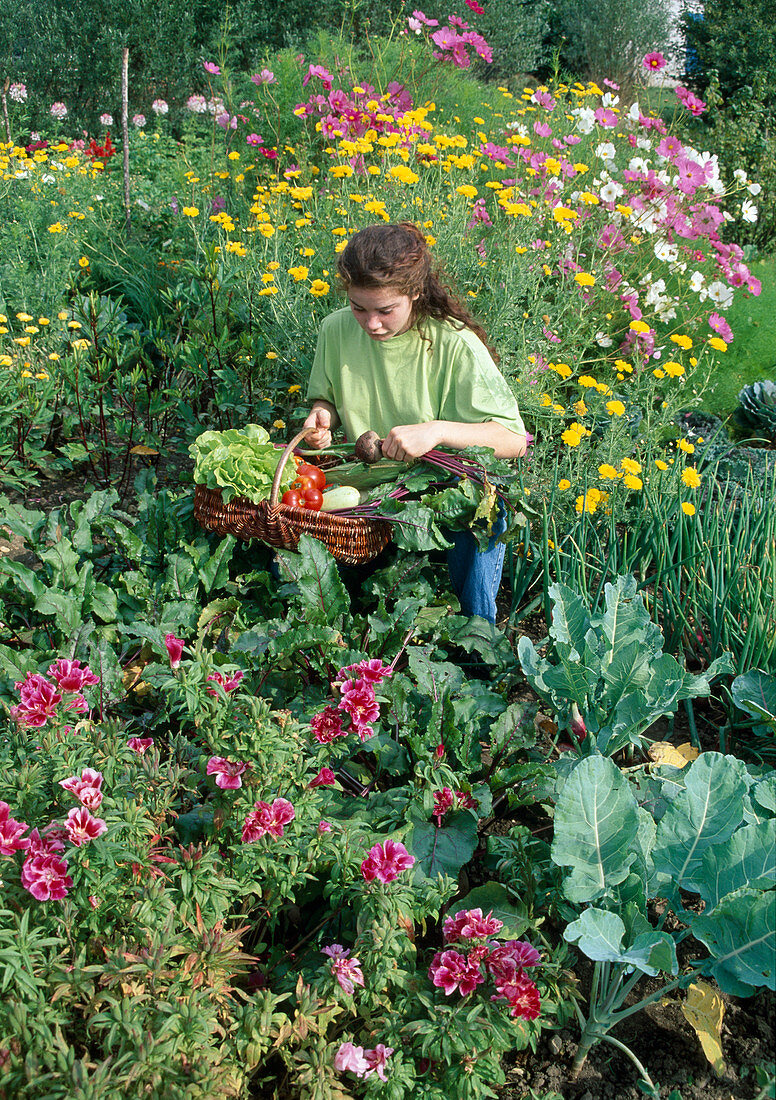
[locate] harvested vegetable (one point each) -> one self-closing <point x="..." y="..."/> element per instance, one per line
<point x="343" y="497"/>
<point x="239" y="462"/>
<point x="369" y="448"/>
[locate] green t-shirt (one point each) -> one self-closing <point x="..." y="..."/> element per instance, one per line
<point x="378" y="385"/>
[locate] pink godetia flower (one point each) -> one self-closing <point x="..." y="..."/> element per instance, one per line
<point x="386" y="861"/>
<point x="324" y="778"/>
<point x="39" y="701"/>
<point x="50" y="841"/>
<point x="439" y="753"/>
<point x="86" y="787"/>
<point x="227" y="772"/>
<point x="718" y="323"/>
<point x="323" y="75"/>
<point x="211" y="67"/>
<point x="228" y="683"/>
<point x="11" y="839"/>
<point x="70" y="676"/>
<point x="58" y="110"/>
<point x="266" y="76"/>
<point x="363" y="1062"/>
<point x="511" y="956"/>
<point x="451" y="971"/>
<point x="521" y="994"/>
<point x="327" y="725"/>
<point x="475" y="7"/>
<point x="174" y="649"/>
<point x="690" y="101"/>
<point x="446" y="800"/>
<point x="324" y="827"/>
<point x="345" y="969"/>
<point x="470" y="924"/>
<point x="82" y="827"/>
<point x="265" y="818"/>
<point x="46" y="877"/>
<point x="370" y="671"/>
<point x="140" y="745"/>
<point x="654" y="61"/>
<point x="358" y="701"/>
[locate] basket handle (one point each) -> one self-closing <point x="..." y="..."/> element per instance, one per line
<point x="273" y="496"/>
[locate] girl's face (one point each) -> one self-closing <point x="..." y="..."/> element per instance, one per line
<point x="381" y="311"/>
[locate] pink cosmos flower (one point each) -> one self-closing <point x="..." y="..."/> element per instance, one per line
<point x="606" y="117"/>
<point x="358" y="700"/>
<point x="46" y="877"/>
<point x="386" y="861"/>
<point x="690" y="102"/>
<point x="86" y="788"/>
<point x="422" y="18"/>
<point x="345" y="969"/>
<point x="11" y="839"/>
<point x="654" y="61"/>
<point x="450" y="970"/>
<point x="323" y="75"/>
<point x="265" y="818"/>
<point x="228" y="683"/>
<point x="324" y="778"/>
<point x="254" y="139"/>
<point x="370" y="671"/>
<point x="327" y="725"/>
<point x="470" y="924"/>
<point x="174" y="649"/>
<point x="351" y="1058"/>
<point x="70" y="677"/>
<point x="82" y="827"/>
<point x="140" y="744"/>
<point x="227" y="772"/>
<point x="718" y="323"/>
<point x="451" y="46"/>
<point x="211" y="67"/>
<point x="670" y="146"/>
<point x="266" y="76"/>
<point x="475" y="7"/>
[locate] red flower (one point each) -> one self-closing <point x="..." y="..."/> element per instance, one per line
<point x="324" y="778"/>
<point x="70" y="677"/>
<point x="327" y="725"/>
<point x="174" y="649"/>
<point x="265" y="818"/>
<point x="86" y="788"/>
<point x="82" y="827"/>
<point x="450" y="970"/>
<point x="227" y="683"/>
<point x="11" y="839"/>
<point x="227" y="772"/>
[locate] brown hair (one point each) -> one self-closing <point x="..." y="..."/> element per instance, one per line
<point x="398" y="256"/>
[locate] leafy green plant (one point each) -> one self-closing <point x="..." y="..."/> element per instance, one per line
<point x="608" y="679"/>
<point x="707" y="830"/>
<point x="756" y="412"/>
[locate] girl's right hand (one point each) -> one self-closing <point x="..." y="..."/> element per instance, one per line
<point x="320" y="420"/>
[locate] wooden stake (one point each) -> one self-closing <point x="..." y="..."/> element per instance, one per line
<point x="6" y="86"/>
<point x="125" y="133"/>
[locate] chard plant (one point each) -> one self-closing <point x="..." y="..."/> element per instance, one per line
<point x="708" y="831"/>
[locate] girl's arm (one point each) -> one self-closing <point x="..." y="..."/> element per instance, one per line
<point x="323" y="417"/>
<point x="413" y="440"/>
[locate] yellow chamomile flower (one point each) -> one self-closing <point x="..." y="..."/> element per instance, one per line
<point x="717" y="343"/>
<point x="691" y="478"/>
<point x="633" y="482"/>
<point x="608" y="473"/>
<point x="294" y="389"/>
<point x="319" y="287"/>
<point x="687" y="508"/>
<point x="688" y="448"/>
<point x="278" y="424"/>
<point x="190" y="211"/>
<point x="84" y="261"/>
<point x="673" y="370"/>
<point x="23" y="317"/>
<point x="587" y="381"/>
<point x="660" y="464"/>
<point x="571" y="438"/>
<point x="615" y="408"/>
<point x="564" y="484"/>
<point x="584" y="279"/>
<point x="684" y="342"/>
<point x="630" y="466"/>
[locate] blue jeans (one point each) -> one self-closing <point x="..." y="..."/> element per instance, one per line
<point x="475" y="573"/>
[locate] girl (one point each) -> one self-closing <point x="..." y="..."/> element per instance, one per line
<point x="406" y="359"/>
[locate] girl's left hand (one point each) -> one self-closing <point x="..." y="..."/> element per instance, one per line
<point x="407" y="441"/>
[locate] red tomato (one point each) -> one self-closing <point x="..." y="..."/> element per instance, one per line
<point x="292" y="498"/>
<point x="301" y="484"/>
<point x="313" y="474"/>
<point x="312" y="499"/>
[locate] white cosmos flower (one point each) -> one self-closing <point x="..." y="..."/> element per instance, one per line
<point x="697" y="281"/>
<point x="609" y="100"/>
<point x="634" y="111"/>
<point x="585" y="119"/>
<point x="666" y="251"/>
<point x="754" y="188"/>
<point x="611" y="191"/>
<point x="748" y="211"/>
<point x="603" y="340"/>
<point x="721" y="294"/>
<point x="740" y="175"/>
<point x="605" y="151"/>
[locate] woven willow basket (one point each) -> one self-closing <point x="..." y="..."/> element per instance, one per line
<point x="351" y="541"/>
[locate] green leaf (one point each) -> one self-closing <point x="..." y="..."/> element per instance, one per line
<point x="740" y="936"/>
<point x="214" y="571"/>
<point x="26" y="579"/>
<point x="494" y="898"/>
<point x="706" y="812"/>
<point x="314" y="571"/>
<point x="570" y="619"/>
<point x="445" y="850"/>
<point x="600" y="935"/>
<point x="748" y="859"/>
<point x="596" y="829"/>
<point x="755" y="694"/>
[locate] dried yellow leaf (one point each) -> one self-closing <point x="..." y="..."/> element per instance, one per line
<point x="677" y="756"/>
<point x="141" y="449"/>
<point x="704" y="1009"/>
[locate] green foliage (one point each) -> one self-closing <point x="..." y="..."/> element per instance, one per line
<point x="715" y="839"/>
<point x="609" y="668"/>
<point x="756" y="412"/>
<point x="734" y="41"/>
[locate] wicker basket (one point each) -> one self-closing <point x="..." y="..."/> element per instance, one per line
<point x="351" y="541"/>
